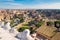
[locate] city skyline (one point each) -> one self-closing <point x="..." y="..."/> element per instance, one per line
<point x="29" y="4"/>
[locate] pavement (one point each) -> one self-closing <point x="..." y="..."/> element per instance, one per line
<point x="5" y="35"/>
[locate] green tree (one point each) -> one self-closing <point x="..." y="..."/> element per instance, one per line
<point x="23" y="28"/>
<point x="50" y="23"/>
<point x="57" y="24"/>
<point x="21" y="19"/>
<point x="38" y="24"/>
<point x="12" y="22"/>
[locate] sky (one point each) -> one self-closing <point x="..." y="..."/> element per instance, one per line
<point x="29" y="4"/>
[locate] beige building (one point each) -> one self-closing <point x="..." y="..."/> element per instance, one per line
<point x="48" y="32"/>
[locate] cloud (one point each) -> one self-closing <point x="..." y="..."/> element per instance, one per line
<point x="47" y="6"/>
<point x="8" y="0"/>
<point x="5" y="0"/>
<point x="16" y="4"/>
<point x="37" y="6"/>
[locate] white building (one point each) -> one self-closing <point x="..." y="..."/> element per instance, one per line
<point x="13" y="34"/>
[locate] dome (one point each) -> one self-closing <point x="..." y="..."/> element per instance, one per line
<point x="26" y="31"/>
<point x="25" y="35"/>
